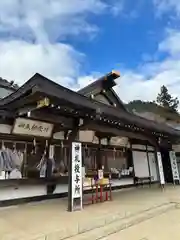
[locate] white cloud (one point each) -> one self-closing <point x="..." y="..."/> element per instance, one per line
<point x="83" y="81"/>
<point x="117" y="7"/>
<point x="164" y="6"/>
<point x="171" y="44"/>
<point x="145" y="83"/>
<point x="20" y="60"/>
<point x="28" y="43"/>
<point x="48" y="18"/>
<point x="29" y="31"/>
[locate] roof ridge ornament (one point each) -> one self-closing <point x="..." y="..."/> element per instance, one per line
<point x="116" y="72"/>
<point x="113" y="75"/>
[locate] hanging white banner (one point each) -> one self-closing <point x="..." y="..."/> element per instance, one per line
<point x="174" y="166"/>
<point x="51" y="151"/>
<point x="160" y="167"/>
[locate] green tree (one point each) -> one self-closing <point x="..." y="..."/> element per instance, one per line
<point x="165" y="99"/>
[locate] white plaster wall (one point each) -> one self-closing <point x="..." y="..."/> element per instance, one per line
<point x="40" y="190"/>
<point x="142" y="147"/>
<point x="86" y="136"/>
<point x="140" y="164"/>
<point x="176" y="148"/>
<point x="89" y="136"/>
<point x="150" y="148"/>
<point x="8" y="193"/>
<point x="59" y="135"/>
<point x="153" y="166"/>
<point x="119" y="141"/>
<point x="116" y="162"/>
<point x="5" y="128"/>
<point x="138" y="146"/>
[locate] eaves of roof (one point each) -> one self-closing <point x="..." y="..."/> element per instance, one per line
<point x="39" y="83"/>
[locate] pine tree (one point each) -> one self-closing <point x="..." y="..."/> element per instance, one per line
<point x="165" y="99"/>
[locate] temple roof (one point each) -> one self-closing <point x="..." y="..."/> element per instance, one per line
<point x="107" y="81"/>
<point x="8" y="84"/>
<point x="39" y="86"/>
<point x="104" y="85"/>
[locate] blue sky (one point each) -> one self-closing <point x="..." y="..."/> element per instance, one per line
<point x="75" y="41"/>
<point x="123" y="39"/>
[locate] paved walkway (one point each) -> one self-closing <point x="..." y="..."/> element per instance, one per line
<point x="163" y="227"/>
<point x="49" y="219"/>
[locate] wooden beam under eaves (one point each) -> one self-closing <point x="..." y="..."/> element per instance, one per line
<point x="121" y="133"/>
<point x="59" y="120"/>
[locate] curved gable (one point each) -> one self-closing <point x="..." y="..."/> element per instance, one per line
<point x="102" y="91"/>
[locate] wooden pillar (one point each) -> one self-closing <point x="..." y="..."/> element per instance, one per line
<point x="132" y="158"/>
<point x="99" y="156"/>
<point x="106" y="161"/>
<point x="106" y="167"/>
<point x="48" y="163"/>
<point x="51" y="186"/>
<point x="149" y="169"/>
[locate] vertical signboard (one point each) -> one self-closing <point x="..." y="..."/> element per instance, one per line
<point x="160" y="167"/>
<point x="174" y="167"/>
<point x="77" y="190"/>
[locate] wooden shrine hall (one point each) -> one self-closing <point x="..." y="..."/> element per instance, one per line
<point x="95" y="108"/>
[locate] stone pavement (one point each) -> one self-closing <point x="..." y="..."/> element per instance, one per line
<point x="49" y="220"/>
<point x="163" y="227"/>
<point x="121" y="225"/>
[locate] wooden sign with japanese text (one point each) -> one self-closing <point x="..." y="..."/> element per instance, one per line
<point x="160" y="167"/>
<point x="77" y="190"/>
<point x="24" y="126"/>
<point x="174" y="167"/>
